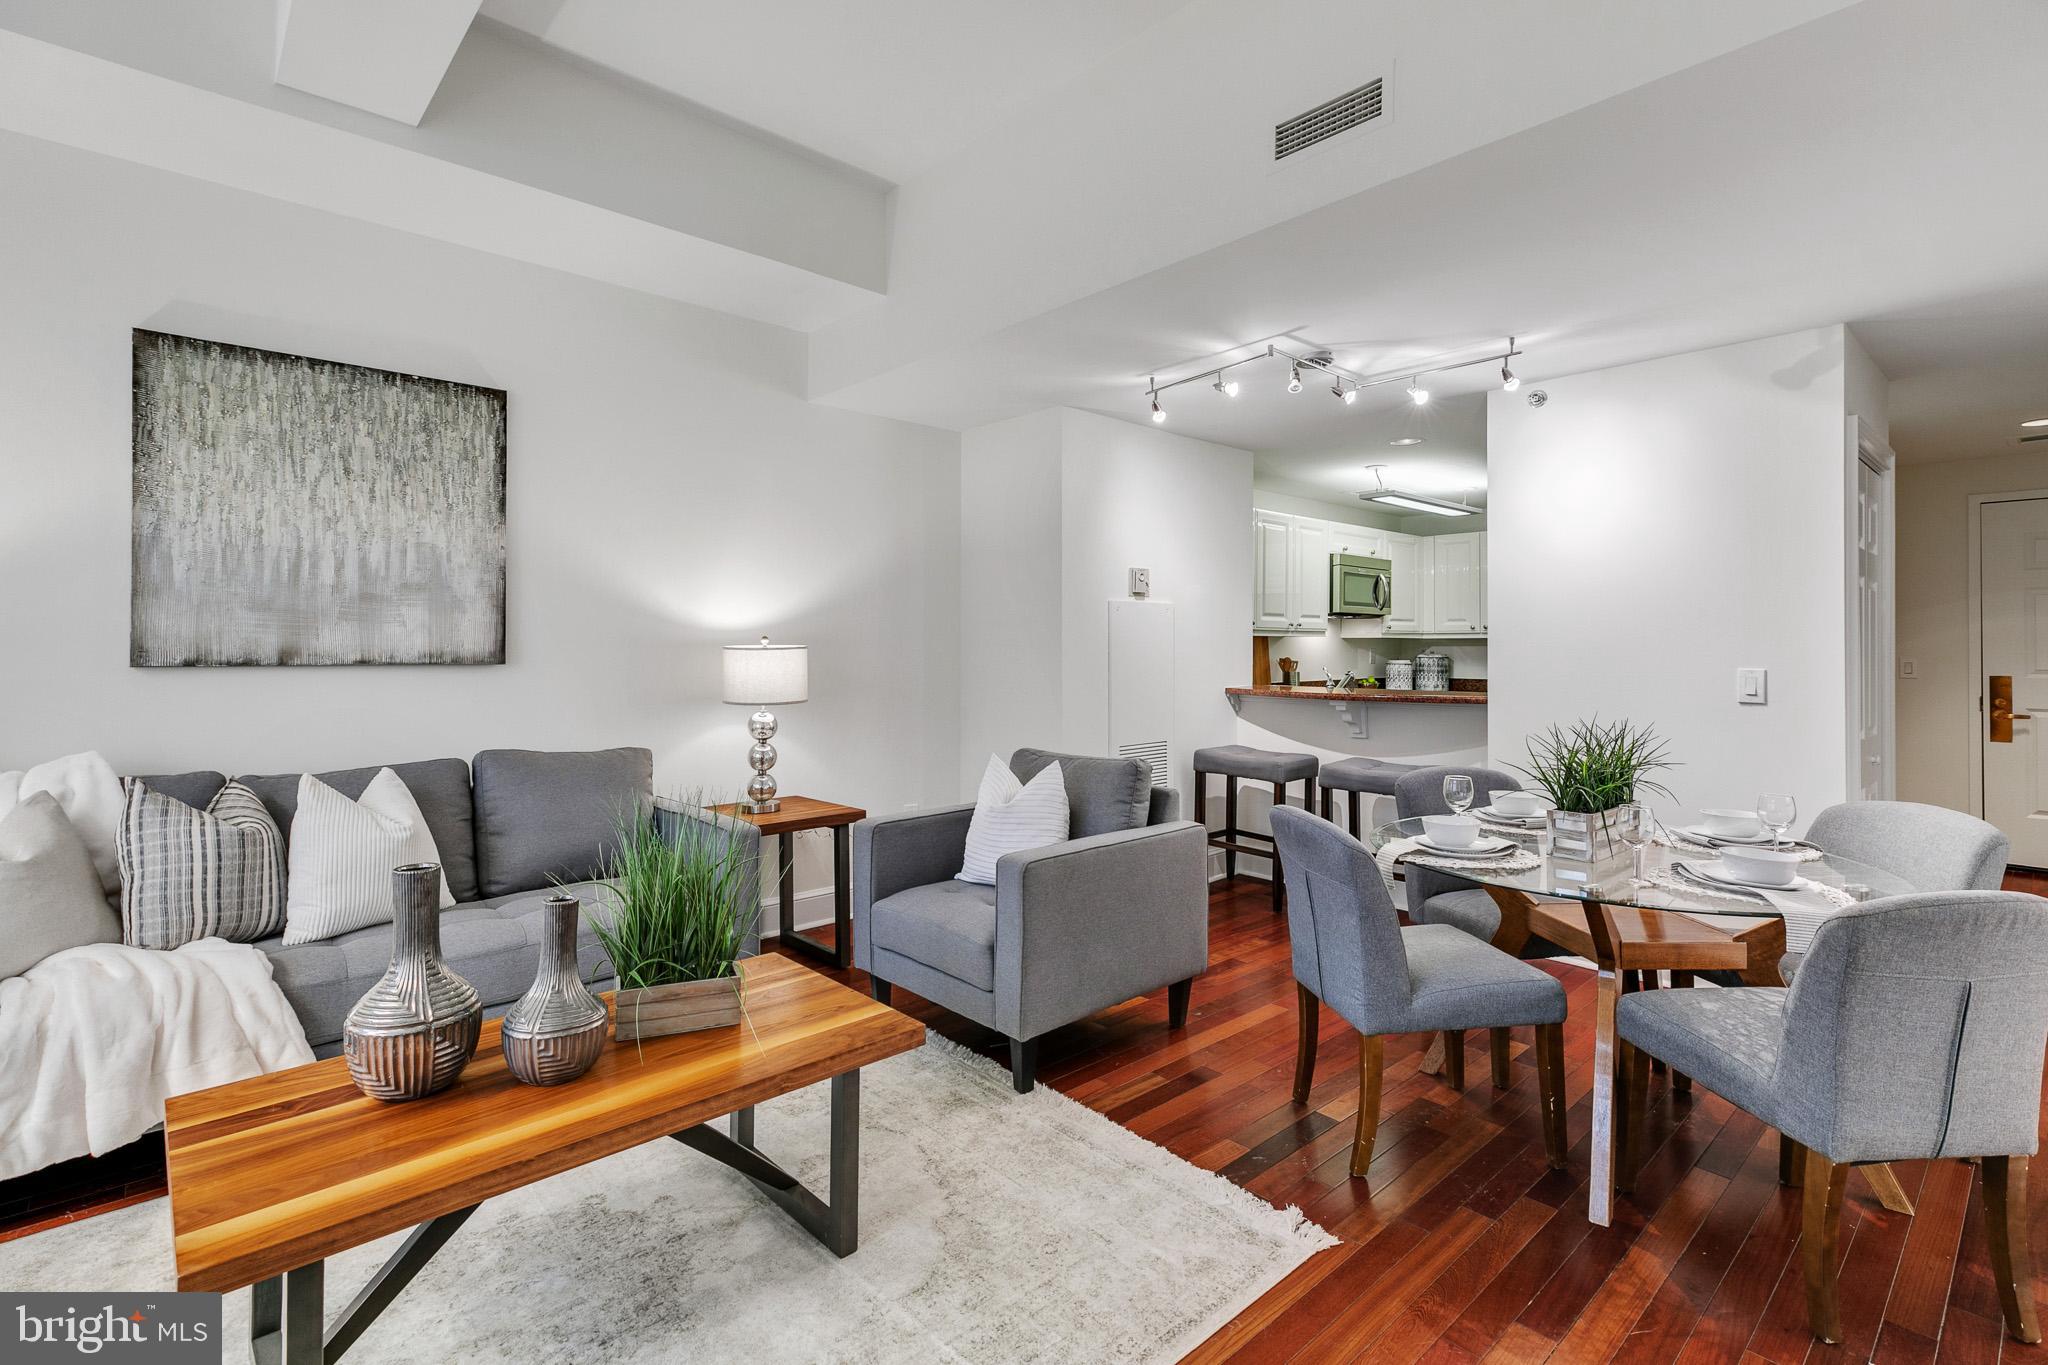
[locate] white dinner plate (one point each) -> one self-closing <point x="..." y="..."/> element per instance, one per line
<point x="1718" y="871"/>
<point x="1706" y="836"/>
<point x="1520" y="821"/>
<point x="1485" y="846"/>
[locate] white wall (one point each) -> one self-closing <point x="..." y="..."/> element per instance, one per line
<point x="1937" y="707"/>
<point x="1011" y="606"/>
<point x="1657" y="526"/>
<point x="668" y="492"/>
<point x="1127" y="496"/>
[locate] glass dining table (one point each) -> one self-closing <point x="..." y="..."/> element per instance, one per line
<point x="1669" y="920"/>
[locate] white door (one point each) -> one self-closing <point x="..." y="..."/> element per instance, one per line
<point x="1311" y="575"/>
<point x="1873" y="624"/>
<point x="2013" y="548"/>
<point x="1404" y="617"/>
<point x="1272" y="571"/>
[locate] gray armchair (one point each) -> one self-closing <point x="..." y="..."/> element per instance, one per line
<point x="1914" y="1029"/>
<point x="1118" y="910"/>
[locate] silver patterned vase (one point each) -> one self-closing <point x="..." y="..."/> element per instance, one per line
<point x="555" y="1031"/>
<point x="416" y="1029"/>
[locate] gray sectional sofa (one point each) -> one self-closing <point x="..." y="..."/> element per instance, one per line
<point x="510" y="826"/>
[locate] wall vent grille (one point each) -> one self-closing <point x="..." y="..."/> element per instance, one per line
<point x="1151" y="753"/>
<point x="1328" y="119"/>
<point x="2029" y="440"/>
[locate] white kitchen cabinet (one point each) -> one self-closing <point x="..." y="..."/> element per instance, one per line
<point x="1358" y="540"/>
<point x="1311" y="575"/>
<point x="1272" y="572"/>
<point x="1404" y="554"/>
<point x="1290" y="574"/>
<point x="1454" y="596"/>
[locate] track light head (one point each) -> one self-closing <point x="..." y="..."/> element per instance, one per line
<point x="1158" y="413"/>
<point x="1294" y="380"/>
<point x="1225" y="385"/>
<point x="1509" y="381"/>
<point x="1417" y="395"/>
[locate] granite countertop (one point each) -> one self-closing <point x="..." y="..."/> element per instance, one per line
<point x="1459" y="695"/>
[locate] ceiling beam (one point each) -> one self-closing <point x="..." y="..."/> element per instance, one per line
<point x="383" y="56"/>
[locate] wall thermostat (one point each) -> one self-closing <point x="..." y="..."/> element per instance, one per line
<point x="1141" y="582"/>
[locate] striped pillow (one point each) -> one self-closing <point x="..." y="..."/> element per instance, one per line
<point x="189" y="874"/>
<point x="343" y="852"/>
<point x="1010" y="816"/>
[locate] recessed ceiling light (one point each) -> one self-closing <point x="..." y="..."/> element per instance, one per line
<point x="1406" y="441"/>
<point x="2036" y="422"/>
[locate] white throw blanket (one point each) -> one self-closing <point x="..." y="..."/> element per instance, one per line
<point x="94" y="1039"/>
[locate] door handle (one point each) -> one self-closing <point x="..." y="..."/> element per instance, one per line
<point x="1999" y="688"/>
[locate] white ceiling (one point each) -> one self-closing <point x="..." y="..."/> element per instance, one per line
<point x="1865" y="168"/>
<point x="892" y="87"/>
<point x="1450" y="462"/>
<point x="1964" y="374"/>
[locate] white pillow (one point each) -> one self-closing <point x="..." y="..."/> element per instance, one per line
<point x="89" y="793"/>
<point x="1010" y="816"/>
<point x="339" y="871"/>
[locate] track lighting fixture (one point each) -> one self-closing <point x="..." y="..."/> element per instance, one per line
<point x="1345" y="385"/>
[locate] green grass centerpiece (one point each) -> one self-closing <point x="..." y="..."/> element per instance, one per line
<point x="681" y="903"/>
<point x="1587" y="771"/>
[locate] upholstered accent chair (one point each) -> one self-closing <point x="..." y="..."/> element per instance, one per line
<point x="1352" y="953"/>
<point x="1914" y="1029"/>
<point x="1118" y="910"/>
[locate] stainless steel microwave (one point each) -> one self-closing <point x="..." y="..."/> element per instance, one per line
<point x="1360" y="586"/>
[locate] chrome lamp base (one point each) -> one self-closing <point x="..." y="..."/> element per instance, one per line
<point x="761" y="799"/>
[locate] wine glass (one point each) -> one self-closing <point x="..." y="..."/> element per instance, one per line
<point x="1632" y="825"/>
<point x="1777" y="810"/>
<point x="1458" y="792"/>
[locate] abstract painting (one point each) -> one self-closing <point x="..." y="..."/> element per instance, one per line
<point x="299" y="511"/>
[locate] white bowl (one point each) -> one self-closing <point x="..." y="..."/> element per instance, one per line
<point x="1767" y="866"/>
<point x="1733" y="824"/>
<point x="1519" y="803"/>
<point x="1451" y="831"/>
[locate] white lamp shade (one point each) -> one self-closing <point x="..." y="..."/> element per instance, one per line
<point x="767" y="675"/>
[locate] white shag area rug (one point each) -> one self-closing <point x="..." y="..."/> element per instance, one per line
<point x="994" y="1227"/>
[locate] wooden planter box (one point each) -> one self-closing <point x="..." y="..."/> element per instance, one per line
<point x="653" y="1011"/>
<point x="1582" y="837"/>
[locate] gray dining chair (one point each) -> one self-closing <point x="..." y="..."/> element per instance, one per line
<point x="1352" y="953"/>
<point x="1445" y="898"/>
<point x="1933" y="847"/>
<point x="1914" y="1030"/>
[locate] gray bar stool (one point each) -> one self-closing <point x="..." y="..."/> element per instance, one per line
<point x="1361" y="777"/>
<point x="1235" y="761"/>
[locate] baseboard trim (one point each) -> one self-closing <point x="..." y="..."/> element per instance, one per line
<point x="813" y="910"/>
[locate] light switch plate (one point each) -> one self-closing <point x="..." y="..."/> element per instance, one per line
<point x="1753" y="686"/>
<point x="1906" y="668"/>
<point x="1141" y="582"/>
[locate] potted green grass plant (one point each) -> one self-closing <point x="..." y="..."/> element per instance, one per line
<point x="680" y="906"/>
<point x="1587" y="771"/>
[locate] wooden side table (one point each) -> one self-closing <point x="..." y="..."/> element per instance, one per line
<point x="800" y="813"/>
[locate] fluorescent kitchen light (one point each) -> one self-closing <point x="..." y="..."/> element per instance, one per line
<point x="1419" y="504"/>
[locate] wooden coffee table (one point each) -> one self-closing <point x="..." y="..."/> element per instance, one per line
<point x="272" y="1175"/>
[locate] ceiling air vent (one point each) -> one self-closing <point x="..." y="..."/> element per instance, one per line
<point x="1327" y="119"/>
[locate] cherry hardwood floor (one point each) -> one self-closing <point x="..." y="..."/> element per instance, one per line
<point x="1463" y="1246"/>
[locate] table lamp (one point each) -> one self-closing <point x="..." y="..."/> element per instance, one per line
<point x="765" y="675"/>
